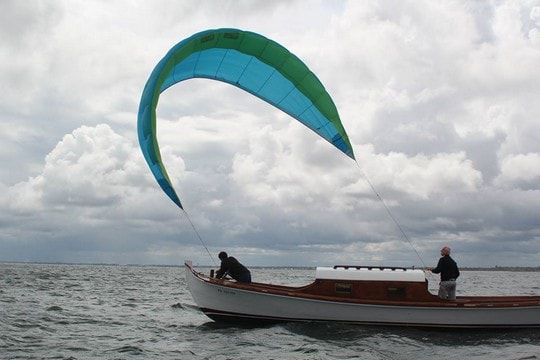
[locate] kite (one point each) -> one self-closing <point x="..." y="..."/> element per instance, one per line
<point x="251" y="62"/>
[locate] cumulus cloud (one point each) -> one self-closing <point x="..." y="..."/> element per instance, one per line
<point x="520" y="171"/>
<point x="89" y="167"/>
<point x="94" y="186"/>
<point x="422" y="175"/>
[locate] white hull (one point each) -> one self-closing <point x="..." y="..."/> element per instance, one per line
<point x="220" y="301"/>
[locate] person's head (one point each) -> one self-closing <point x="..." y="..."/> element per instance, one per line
<point x="445" y="251"/>
<point x="222" y="255"/>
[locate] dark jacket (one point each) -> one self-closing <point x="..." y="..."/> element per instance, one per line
<point x="447" y="267"/>
<point x="232" y="267"/>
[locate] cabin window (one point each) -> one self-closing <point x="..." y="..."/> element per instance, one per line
<point x="342" y="288"/>
<point x="396" y="292"/>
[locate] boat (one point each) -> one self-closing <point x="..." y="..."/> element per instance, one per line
<point x="391" y="296"/>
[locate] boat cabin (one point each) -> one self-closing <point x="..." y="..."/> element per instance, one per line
<point x="371" y="283"/>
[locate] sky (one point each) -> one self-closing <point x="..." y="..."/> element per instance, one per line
<point x="439" y="99"/>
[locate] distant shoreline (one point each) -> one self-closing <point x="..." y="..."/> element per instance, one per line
<point x="502" y="268"/>
<point x="494" y="268"/>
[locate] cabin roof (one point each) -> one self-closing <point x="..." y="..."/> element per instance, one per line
<point x="369" y="274"/>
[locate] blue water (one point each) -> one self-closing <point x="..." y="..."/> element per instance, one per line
<point x="125" y="312"/>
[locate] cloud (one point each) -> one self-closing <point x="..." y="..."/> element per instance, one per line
<point x="93" y="175"/>
<point x="520" y="171"/>
<point x="423" y="176"/>
<point x="439" y="100"/>
<point x="94" y="197"/>
<point x="89" y="167"/>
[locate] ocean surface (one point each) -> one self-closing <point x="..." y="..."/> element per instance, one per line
<point x="146" y="312"/>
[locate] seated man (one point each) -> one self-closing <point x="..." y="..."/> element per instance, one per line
<point x="449" y="271"/>
<point x="231" y="266"/>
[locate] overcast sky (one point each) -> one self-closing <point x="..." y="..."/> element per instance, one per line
<point x="440" y="101"/>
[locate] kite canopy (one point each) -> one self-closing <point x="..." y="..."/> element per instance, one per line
<point x="251" y="62"/>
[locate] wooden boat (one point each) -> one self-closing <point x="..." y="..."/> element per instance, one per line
<point x="363" y="295"/>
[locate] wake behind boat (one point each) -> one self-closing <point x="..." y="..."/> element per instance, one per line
<point x="363" y="295"/>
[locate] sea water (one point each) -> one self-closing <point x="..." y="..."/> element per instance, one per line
<point x="125" y="312"/>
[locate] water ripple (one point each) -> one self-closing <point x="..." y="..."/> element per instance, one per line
<point x="105" y="312"/>
<point x="132" y="350"/>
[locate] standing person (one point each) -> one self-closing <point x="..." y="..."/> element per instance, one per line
<point x="449" y="271"/>
<point x="231" y="266"/>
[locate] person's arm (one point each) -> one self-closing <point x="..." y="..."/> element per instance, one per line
<point x="438" y="268"/>
<point x="222" y="270"/>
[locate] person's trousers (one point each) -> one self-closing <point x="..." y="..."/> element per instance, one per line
<point x="447" y="290"/>
<point x="244" y="277"/>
